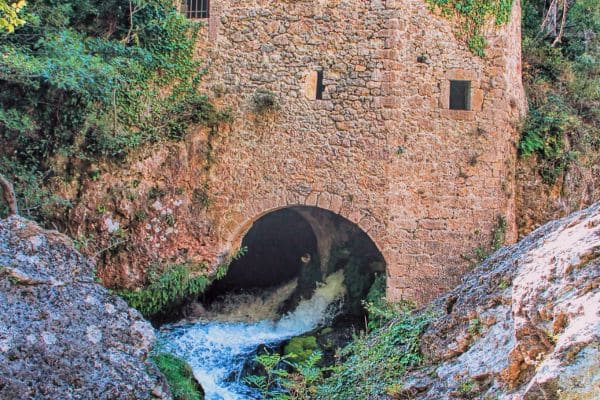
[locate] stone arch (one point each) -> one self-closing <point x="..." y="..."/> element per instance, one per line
<point x="352" y="215"/>
<point x="303" y="245"/>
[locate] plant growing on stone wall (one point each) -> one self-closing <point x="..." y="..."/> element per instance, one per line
<point x="264" y="101"/>
<point x="482" y="251"/>
<point x="167" y="289"/>
<point x="200" y="196"/>
<point x="472" y="16"/>
<point x="499" y="233"/>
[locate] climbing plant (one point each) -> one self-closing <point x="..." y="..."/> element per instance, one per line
<point x="473" y="15"/>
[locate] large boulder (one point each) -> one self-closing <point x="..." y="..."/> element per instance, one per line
<point x="523" y="325"/>
<point x="63" y="336"/>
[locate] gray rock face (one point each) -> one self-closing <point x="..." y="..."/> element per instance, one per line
<point x="62" y="336"/>
<point x="523" y="325"/>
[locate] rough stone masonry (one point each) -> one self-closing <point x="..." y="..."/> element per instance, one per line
<point x="382" y="148"/>
<point x="361" y="124"/>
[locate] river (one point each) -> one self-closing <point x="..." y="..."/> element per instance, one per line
<point x="218" y="344"/>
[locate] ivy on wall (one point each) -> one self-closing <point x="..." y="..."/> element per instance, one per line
<point x="473" y="15"/>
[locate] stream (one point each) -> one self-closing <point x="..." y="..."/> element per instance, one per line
<point x="219" y="342"/>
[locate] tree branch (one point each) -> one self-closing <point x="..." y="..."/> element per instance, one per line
<point x="8" y="193"/>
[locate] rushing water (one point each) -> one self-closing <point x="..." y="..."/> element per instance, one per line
<point x="217" y="345"/>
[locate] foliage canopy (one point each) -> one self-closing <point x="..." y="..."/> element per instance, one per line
<point x="91" y="79"/>
<point x="10" y="17"/>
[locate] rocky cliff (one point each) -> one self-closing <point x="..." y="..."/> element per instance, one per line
<point x="63" y="336"/>
<point x="523" y="325"/>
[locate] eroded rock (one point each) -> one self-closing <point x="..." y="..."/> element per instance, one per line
<point x="62" y="336"/>
<point x="523" y="325"/>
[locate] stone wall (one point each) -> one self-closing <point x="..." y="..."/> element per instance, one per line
<point x="381" y="148"/>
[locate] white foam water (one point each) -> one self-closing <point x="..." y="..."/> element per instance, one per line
<point x="217" y="349"/>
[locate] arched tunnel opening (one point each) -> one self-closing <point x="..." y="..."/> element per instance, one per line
<point x="291" y="252"/>
<point x="298" y="291"/>
<point x="276" y="245"/>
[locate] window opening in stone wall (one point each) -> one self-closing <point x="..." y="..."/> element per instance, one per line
<point x="196" y="8"/>
<point x="320" y="86"/>
<point x="460" y="95"/>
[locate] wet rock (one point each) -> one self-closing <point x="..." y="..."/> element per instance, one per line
<point x="523" y="325"/>
<point x="62" y="336"/>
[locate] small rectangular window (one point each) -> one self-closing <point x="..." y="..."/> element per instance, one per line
<point x="196" y="8"/>
<point x="320" y="86"/>
<point x="460" y="95"/>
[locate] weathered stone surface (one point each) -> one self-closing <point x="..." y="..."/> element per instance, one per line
<point x="523" y="325"/>
<point x="63" y="336"/>
<point x="539" y="202"/>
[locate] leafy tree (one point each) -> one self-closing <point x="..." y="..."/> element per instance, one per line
<point x="89" y="79"/>
<point x="10" y="15"/>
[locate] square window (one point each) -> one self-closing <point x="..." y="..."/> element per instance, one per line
<point x="196" y="8"/>
<point x="460" y="95"/>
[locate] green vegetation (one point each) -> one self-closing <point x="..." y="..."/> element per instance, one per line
<point x="179" y="376"/>
<point x="562" y="79"/>
<point x="499" y="233"/>
<point x="475" y="327"/>
<point x="264" y="100"/>
<point x="280" y="384"/>
<point x="483" y="251"/>
<point x="168" y="289"/>
<point x="378" y="308"/>
<point x="467" y="388"/>
<point x="10" y="15"/>
<point x="370" y="367"/>
<point x="374" y="364"/>
<point x="88" y="79"/>
<point x="472" y="16"/>
<point x="300" y="348"/>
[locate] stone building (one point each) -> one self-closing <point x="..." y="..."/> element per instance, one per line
<point x="375" y="111"/>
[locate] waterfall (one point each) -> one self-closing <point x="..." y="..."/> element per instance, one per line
<point x="217" y="348"/>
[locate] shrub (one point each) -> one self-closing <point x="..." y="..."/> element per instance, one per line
<point x="166" y="290"/>
<point x="264" y="100"/>
<point x="279" y="384"/>
<point x="175" y="285"/>
<point x="562" y="81"/>
<point x="88" y="79"/>
<point x="373" y="364"/>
